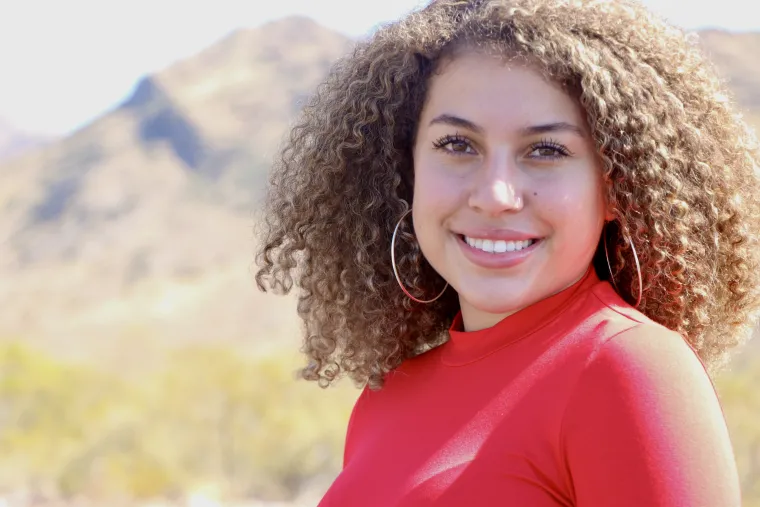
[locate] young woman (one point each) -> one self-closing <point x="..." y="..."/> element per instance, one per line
<point x="527" y="227"/>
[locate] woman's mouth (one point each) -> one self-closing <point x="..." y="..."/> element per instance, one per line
<point x="498" y="245"/>
<point x="492" y="253"/>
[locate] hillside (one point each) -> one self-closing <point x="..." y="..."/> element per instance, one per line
<point x="138" y="227"/>
<point x="13" y="141"/>
<point x="735" y="57"/>
<point x="140" y="223"/>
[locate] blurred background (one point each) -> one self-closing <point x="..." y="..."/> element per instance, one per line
<point x="139" y="365"/>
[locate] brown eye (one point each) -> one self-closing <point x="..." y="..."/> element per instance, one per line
<point x="548" y="150"/>
<point x="457" y="145"/>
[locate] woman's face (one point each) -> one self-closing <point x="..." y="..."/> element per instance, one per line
<point x="508" y="194"/>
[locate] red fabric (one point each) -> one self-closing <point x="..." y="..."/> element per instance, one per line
<point x="578" y="400"/>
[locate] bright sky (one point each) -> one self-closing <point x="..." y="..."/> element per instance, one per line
<point x="65" y="62"/>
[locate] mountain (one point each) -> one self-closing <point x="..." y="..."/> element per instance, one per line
<point x="13" y="142"/>
<point x="735" y="57"/>
<point x="134" y="233"/>
<point x="140" y="223"/>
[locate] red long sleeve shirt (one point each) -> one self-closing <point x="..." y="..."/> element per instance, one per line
<point x="578" y="400"/>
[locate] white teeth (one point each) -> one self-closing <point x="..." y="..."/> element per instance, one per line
<point x="497" y="246"/>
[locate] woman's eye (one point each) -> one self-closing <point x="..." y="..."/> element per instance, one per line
<point x="454" y="144"/>
<point x="459" y="146"/>
<point x="548" y="151"/>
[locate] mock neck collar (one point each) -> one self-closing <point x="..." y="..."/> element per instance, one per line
<point x="465" y="347"/>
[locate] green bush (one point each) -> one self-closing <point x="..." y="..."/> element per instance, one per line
<point x="210" y="415"/>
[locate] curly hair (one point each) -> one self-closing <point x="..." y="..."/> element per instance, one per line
<point x="680" y="164"/>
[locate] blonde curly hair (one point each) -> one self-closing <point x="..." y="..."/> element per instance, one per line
<point x="681" y="168"/>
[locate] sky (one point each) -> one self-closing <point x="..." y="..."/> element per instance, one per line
<point x="63" y="63"/>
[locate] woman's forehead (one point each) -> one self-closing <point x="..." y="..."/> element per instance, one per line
<point x="489" y="90"/>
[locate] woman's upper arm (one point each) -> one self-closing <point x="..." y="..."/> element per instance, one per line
<point x="644" y="427"/>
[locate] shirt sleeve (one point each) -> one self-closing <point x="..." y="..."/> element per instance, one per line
<point x="644" y="427"/>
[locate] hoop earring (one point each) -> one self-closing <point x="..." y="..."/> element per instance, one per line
<point x="638" y="267"/>
<point x="395" y="270"/>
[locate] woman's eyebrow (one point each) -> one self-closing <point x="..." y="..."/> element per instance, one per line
<point x="456" y="121"/>
<point x="553" y="127"/>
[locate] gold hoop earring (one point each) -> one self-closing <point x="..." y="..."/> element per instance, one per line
<point x="638" y="267"/>
<point x="395" y="270"/>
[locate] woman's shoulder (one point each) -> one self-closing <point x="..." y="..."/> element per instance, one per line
<point x="649" y="349"/>
<point x="640" y="363"/>
<point x="614" y="347"/>
<point x="634" y="337"/>
<point x="644" y="411"/>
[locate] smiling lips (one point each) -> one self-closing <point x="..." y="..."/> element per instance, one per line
<point x="498" y="245"/>
<point x="494" y="252"/>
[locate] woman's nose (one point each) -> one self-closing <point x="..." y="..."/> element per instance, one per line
<point x="498" y="188"/>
